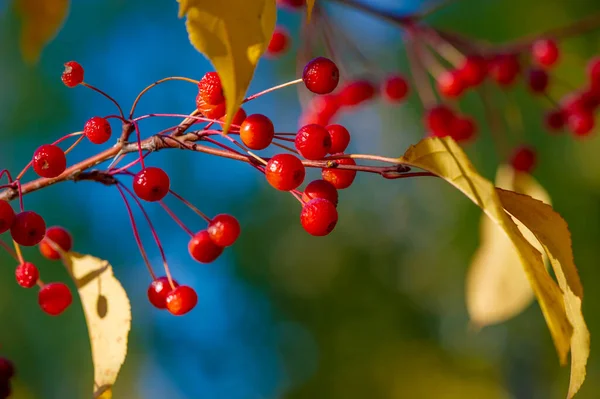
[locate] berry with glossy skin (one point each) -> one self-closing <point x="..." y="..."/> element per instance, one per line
<point x="537" y="80"/>
<point x="356" y="92"/>
<point x="320" y="189"/>
<point x="504" y="68"/>
<point x="439" y="120"/>
<point x="97" y="130"/>
<point x="294" y="5"/>
<point x="450" y="84"/>
<point x="151" y="184"/>
<point x="280" y="41"/>
<point x="545" y="52"/>
<point x="555" y="120"/>
<point x="73" y="74"/>
<point x="313" y="141"/>
<point x="394" y="88"/>
<point x="158" y="291"/>
<point x="340" y="138"/>
<point x="473" y="70"/>
<point x="321" y="75"/>
<point x="210" y="111"/>
<point x="463" y="129"/>
<point x="581" y="123"/>
<point x="340" y="178"/>
<point x="28" y="228"/>
<point x="285" y="172"/>
<point x="210" y="89"/>
<point x="238" y="118"/>
<point x="27" y="275"/>
<point x="319" y="217"/>
<point x="224" y="230"/>
<point x="49" y="161"/>
<point x="7" y="369"/>
<point x="54" y="298"/>
<point x="61" y="237"/>
<point x="203" y="249"/>
<point x="7" y="216"/>
<point x="523" y="159"/>
<point x="257" y="132"/>
<point x="181" y="300"/>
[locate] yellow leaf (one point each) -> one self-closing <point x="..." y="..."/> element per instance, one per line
<point x="443" y="157"/>
<point x="497" y="287"/>
<point x="41" y="21"/>
<point x="108" y="315"/>
<point x="553" y="233"/>
<point x="233" y="35"/>
<point x="309" y="8"/>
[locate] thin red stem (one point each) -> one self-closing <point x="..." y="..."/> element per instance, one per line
<point x="190" y="205"/>
<point x="107" y="96"/>
<point x="176" y="219"/>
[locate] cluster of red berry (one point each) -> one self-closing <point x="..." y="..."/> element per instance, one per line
<point x="7" y="371"/>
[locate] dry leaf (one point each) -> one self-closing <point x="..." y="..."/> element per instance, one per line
<point x="107" y="313"/>
<point x="497" y="288"/>
<point x="233" y="35"/>
<point x="42" y="19"/>
<point x="443" y="157"/>
<point x="553" y="233"/>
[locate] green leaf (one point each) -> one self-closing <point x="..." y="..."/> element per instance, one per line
<point x="233" y="35"/>
<point x="41" y="21"/>
<point x="444" y="158"/>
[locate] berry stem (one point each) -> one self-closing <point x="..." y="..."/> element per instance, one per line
<point x="443" y="47"/>
<point x="281" y="86"/>
<point x="136" y="234"/>
<point x="18" y="252"/>
<point x="139" y="96"/>
<point x="175" y="218"/>
<point x="8" y="249"/>
<point x="190" y="205"/>
<point x="138" y="135"/>
<point x="7" y="173"/>
<point x="74" y="144"/>
<point x="105" y="95"/>
<point x="421" y="80"/>
<point x="285" y="147"/>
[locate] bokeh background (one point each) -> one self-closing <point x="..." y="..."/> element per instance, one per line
<point x="375" y="310"/>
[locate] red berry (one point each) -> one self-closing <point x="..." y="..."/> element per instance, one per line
<point x="340" y="178"/>
<point x="49" y="161"/>
<point x="593" y="70"/>
<point x="279" y="43"/>
<point x="320" y="189"/>
<point x="224" y="230"/>
<point x="28" y="228"/>
<point x="238" y="118"/>
<point x="27" y="275"/>
<point x="555" y="120"/>
<point x="210" y="111"/>
<point x="545" y="52"/>
<point x="151" y="184"/>
<point x="203" y="249"/>
<point x="181" y="300"/>
<point x="291" y="4"/>
<point x="523" y="159"/>
<point x="319" y="217"/>
<point x="581" y="123"/>
<point x="504" y="68"/>
<point x="439" y="120"/>
<point x="356" y="92"/>
<point x="60" y="237"/>
<point x="473" y="70"/>
<point x="340" y="138"/>
<point x="211" y="89"/>
<point x="395" y="88"/>
<point x="158" y="291"/>
<point x="54" y="298"/>
<point x="285" y="172"/>
<point x="450" y="84"/>
<point x="73" y="74"/>
<point x="7" y="369"/>
<point x="97" y="130"/>
<point x="313" y="141"/>
<point x="537" y="80"/>
<point x="257" y="132"/>
<point x="463" y="129"/>
<point x="321" y="110"/>
<point x="321" y="75"/>
<point x="7" y="216"/>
